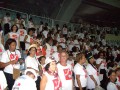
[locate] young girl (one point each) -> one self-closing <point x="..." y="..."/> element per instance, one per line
<point x="14" y="35"/>
<point x="111" y="81"/>
<point x="50" y="79"/>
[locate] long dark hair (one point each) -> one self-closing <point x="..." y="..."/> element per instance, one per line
<point x="8" y="42"/>
<point x="13" y="26"/>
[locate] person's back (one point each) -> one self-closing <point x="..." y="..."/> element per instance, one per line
<point x="24" y="83"/>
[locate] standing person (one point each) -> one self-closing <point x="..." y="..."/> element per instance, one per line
<point x="31" y="23"/>
<point x="6" y="23"/>
<point x="31" y="62"/>
<point x="29" y="38"/>
<point x="65" y="72"/>
<point x="18" y="20"/>
<point x="9" y="61"/>
<point x="50" y="79"/>
<point x="14" y="35"/>
<point x="102" y="66"/>
<point x="22" y="32"/>
<point x="93" y="73"/>
<point x="27" y="81"/>
<point x="80" y="73"/>
<point x="111" y="81"/>
<point x="65" y="30"/>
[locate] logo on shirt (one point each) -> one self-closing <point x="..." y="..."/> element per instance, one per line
<point x="14" y="37"/>
<point x="67" y="74"/>
<point x="57" y="84"/>
<point x="21" y="33"/>
<point x="14" y="57"/>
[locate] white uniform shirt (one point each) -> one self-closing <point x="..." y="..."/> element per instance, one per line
<point x="1" y="33"/>
<point x="6" y="20"/>
<point x="1" y="50"/>
<point x="30" y="40"/>
<point x="103" y="65"/>
<point x="65" y="74"/>
<point x="92" y="71"/>
<point x="53" y="83"/>
<point x="32" y="62"/>
<point x="7" y="56"/>
<point x="80" y="70"/>
<point x="15" y="36"/>
<point x="24" y="83"/>
<point x="22" y="34"/>
<point x="3" y="82"/>
<point x="65" y="30"/>
<point x="56" y="55"/>
<point x="111" y="86"/>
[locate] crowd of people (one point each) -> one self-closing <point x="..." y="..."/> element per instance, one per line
<point x="56" y="58"/>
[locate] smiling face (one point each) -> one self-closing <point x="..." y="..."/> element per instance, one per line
<point x="63" y="57"/>
<point x="52" y="66"/>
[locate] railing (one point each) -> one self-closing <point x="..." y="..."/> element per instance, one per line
<point x="37" y="19"/>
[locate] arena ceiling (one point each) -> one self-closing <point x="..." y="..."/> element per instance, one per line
<point x="103" y="12"/>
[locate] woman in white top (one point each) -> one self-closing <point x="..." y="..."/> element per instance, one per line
<point x="22" y="32"/>
<point x="31" y="61"/>
<point x="50" y="79"/>
<point x="80" y="73"/>
<point x="9" y="61"/>
<point x="14" y="35"/>
<point x="93" y="75"/>
<point x="29" y="39"/>
<point x="111" y="81"/>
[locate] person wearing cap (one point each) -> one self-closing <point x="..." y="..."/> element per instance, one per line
<point x="50" y="79"/>
<point x="31" y="61"/>
<point x="65" y="72"/>
<point x="80" y="73"/>
<point x="93" y="75"/>
<point x="27" y="81"/>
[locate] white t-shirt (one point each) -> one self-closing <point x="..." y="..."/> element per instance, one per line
<point x="56" y="55"/>
<point x="32" y="62"/>
<point x="53" y="83"/>
<point x="62" y="42"/>
<point x="24" y="83"/>
<point x="16" y="37"/>
<point x="3" y="82"/>
<point x="80" y="70"/>
<point x="48" y="50"/>
<point x="103" y="65"/>
<point x="30" y="40"/>
<point x="45" y="33"/>
<point x="65" y="74"/>
<point x="65" y="30"/>
<point x="22" y="33"/>
<point x="6" y="20"/>
<point x="71" y="63"/>
<point x="30" y="24"/>
<point x="1" y="34"/>
<point x="92" y="71"/>
<point x="7" y="56"/>
<point x="111" y="86"/>
<point x="1" y="50"/>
